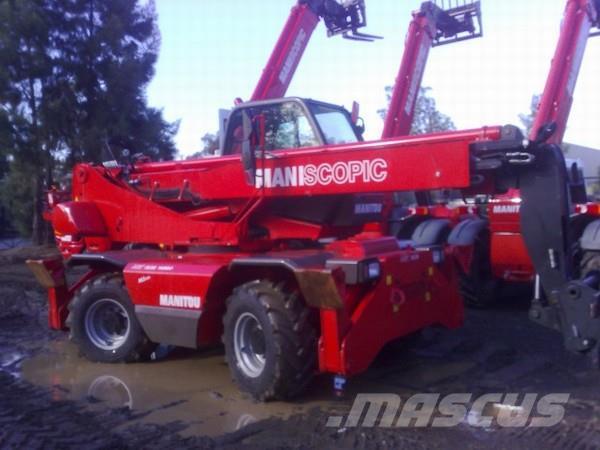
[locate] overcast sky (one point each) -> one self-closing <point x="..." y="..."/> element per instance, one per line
<point x="214" y="51"/>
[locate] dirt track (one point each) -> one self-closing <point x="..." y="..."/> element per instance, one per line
<point x="51" y="398"/>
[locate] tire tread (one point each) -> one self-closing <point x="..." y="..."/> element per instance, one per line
<point x="144" y="347"/>
<point x="295" y="337"/>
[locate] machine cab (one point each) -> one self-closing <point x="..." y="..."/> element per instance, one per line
<point x="289" y="123"/>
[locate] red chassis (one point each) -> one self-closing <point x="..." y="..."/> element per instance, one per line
<point x="413" y="292"/>
<point x="179" y="298"/>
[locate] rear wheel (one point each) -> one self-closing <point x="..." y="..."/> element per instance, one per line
<point x="103" y="323"/>
<point x="478" y="287"/>
<point x="270" y="341"/>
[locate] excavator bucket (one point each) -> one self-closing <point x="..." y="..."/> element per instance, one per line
<point x="345" y="18"/>
<point x="457" y="20"/>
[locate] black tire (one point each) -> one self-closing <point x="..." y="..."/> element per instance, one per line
<point x="284" y="341"/>
<point x="478" y="288"/>
<point x="104" y="297"/>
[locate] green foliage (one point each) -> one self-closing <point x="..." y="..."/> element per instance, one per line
<point x="427" y="118"/>
<point x="108" y="51"/>
<point x="210" y="143"/>
<point x="528" y="119"/>
<point x="73" y="76"/>
<point x="210" y="146"/>
<point x="17" y="197"/>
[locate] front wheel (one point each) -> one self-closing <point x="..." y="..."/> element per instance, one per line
<point x="103" y="323"/>
<point x="270" y="341"/>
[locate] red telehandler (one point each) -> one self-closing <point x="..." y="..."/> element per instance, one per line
<point x="433" y="25"/>
<point x="265" y="246"/>
<point x="508" y="258"/>
<point x="500" y="254"/>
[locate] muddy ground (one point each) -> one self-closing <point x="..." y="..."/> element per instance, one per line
<point x="52" y="398"/>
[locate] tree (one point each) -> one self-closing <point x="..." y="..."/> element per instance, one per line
<point x="108" y="52"/>
<point x="427" y="118"/>
<point x="210" y="146"/>
<point x="24" y="68"/>
<point x="73" y="76"/>
<point x="528" y="119"/>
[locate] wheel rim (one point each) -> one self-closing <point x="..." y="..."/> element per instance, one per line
<point x="249" y="345"/>
<point x="107" y="324"/>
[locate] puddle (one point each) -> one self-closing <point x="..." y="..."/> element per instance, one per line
<point x="193" y="388"/>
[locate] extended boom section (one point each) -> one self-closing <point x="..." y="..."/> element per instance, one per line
<point x="581" y="16"/>
<point x="304" y="17"/>
<point x="432" y="25"/>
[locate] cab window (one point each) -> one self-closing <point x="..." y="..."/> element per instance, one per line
<point x="335" y="125"/>
<point x="286" y="127"/>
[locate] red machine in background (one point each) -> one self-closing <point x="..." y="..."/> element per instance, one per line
<point x="500" y="254"/>
<point x="431" y="26"/>
<point x="430" y="223"/>
<point x="267" y="246"/>
<point x="509" y="258"/>
<point x="293" y="40"/>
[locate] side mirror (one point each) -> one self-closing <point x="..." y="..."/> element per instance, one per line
<point x="360" y="126"/>
<point x="248" y="155"/>
<point x="357" y="121"/>
<point x="355" y="112"/>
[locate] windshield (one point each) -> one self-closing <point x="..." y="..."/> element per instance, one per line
<point x="335" y="125"/>
<point x="286" y="127"/>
